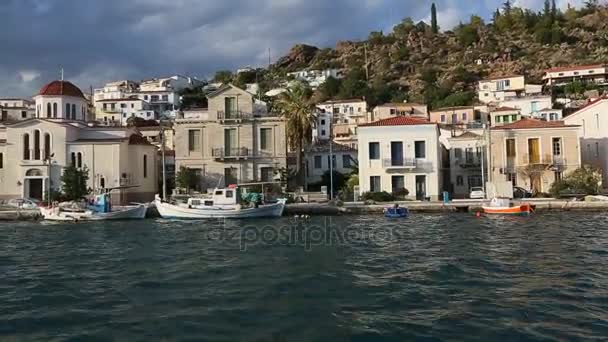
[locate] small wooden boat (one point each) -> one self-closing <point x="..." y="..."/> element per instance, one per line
<point x="502" y="206"/>
<point x="100" y="210"/>
<point x="396" y="212"/>
<point x="224" y="203"/>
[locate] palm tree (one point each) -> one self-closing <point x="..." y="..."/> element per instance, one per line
<point x="295" y="106"/>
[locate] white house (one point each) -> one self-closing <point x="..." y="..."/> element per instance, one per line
<point x="595" y="73"/>
<point x="34" y="152"/>
<point x="315" y="78"/>
<point x="593" y="122"/>
<point x="548" y="114"/>
<point x="400" y="152"/>
<point x="466" y="153"/>
<point x="318" y="158"/>
<point x="528" y="105"/>
<point x="322" y="126"/>
<point x="120" y="110"/>
<point x="346" y="111"/>
<point x="115" y="90"/>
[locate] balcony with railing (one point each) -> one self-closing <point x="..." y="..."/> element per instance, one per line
<point x="233" y="115"/>
<point x="230" y="153"/>
<point x="469" y="162"/>
<point x="407" y="164"/>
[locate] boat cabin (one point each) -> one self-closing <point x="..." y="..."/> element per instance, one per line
<point x="220" y="197"/>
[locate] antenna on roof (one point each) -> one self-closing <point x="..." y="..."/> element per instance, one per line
<point x="62" y="73"/>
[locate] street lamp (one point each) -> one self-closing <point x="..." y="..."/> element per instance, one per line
<point x="49" y="159"/>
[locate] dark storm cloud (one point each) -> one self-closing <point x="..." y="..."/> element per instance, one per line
<point x="100" y="40"/>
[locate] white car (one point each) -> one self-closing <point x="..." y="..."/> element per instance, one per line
<point x="23" y="203"/>
<point x="477" y="193"/>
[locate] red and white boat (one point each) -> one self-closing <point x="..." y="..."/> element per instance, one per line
<point x="502" y="206"/>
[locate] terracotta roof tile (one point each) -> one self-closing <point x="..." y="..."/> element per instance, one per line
<point x="577" y="67"/>
<point x="533" y="124"/>
<point x="399" y="121"/>
<point x="493" y="78"/>
<point x="61" y="88"/>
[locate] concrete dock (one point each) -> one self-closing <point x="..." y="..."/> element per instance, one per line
<point x="19" y="215"/>
<point x="471" y="206"/>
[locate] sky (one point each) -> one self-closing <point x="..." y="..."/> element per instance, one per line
<point x="96" y="41"/>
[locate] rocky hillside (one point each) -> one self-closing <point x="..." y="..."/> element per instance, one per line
<point x="442" y="68"/>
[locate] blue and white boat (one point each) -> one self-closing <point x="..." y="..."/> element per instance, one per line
<point x="396" y="212"/>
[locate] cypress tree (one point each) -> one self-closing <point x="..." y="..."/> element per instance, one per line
<point x="434" y="26"/>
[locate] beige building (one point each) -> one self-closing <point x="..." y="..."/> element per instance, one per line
<point x="389" y="110"/>
<point x="12" y="109"/>
<point x="462" y="115"/>
<point x="532" y="153"/>
<point x="499" y="88"/>
<point x="234" y="141"/>
<point x="595" y="73"/>
<point x="34" y="152"/>
<point x="351" y="111"/>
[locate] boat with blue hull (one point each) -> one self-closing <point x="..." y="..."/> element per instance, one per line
<point x="396" y="212"/>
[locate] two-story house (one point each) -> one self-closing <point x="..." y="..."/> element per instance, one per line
<point x="398" y="153"/>
<point x="533" y="153"/>
<point x="593" y="120"/>
<point x="558" y="76"/>
<point x="13" y="109"/>
<point x="468" y="116"/>
<point x="118" y="111"/>
<point x="466" y="163"/>
<point x="234" y="141"/>
<point x="345" y="111"/>
<point x="389" y="110"/>
<point x="498" y="88"/>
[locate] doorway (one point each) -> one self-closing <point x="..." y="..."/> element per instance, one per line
<point x="420" y="188"/>
<point x="35" y="188"/>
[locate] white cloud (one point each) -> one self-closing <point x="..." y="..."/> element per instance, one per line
<point x="28" y="75"/>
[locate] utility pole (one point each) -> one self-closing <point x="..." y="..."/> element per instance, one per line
<point x="162" y="142"/>
<point x="331" y="157"/>
<point x="366" y="65"/>
<point x="483" y="171"/>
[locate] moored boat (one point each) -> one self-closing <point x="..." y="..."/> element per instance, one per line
<point x="502" y="206"/>
<point x="224" y="203"/>
<point x="100" y="210"/>
<point x="396" y="212"/>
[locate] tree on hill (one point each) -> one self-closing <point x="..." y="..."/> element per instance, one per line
<point x="223" y="76"/>
<point x="434" y="26"/>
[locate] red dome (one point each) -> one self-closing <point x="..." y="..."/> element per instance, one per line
<point x="61" y="88"/>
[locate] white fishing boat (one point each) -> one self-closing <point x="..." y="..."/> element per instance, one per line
<point x="101" y="209"/>
<point x="223" y="203"/>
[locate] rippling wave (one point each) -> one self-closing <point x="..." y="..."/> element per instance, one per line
<point x="430" y="277"/>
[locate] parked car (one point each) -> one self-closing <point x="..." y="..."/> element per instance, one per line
<point x="24" y="203"/>
<point x="477" y="193"/>
<point x="519" y="192"/>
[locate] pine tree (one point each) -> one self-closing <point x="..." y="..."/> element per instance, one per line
<point x="553" y="11"/>
<point x="434" y="26"/>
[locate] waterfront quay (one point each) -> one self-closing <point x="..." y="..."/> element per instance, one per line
<point x="463" y="206"/>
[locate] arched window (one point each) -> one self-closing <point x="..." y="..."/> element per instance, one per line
<point x="79" y="160"/>
<point x="73" y="159"/>
<point x="67" y="111"/>
<point x="55" y="110"/>
<point x="38" y="111"/>
<point x="26" y="147"/>
<point x="36" y="145"/>
<point x="48" y="110"/>
<point x="145" y="166"/>
<point x="47" y="146"/>
<point x="73" y="112"/>
<point x="1" y="161"/>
